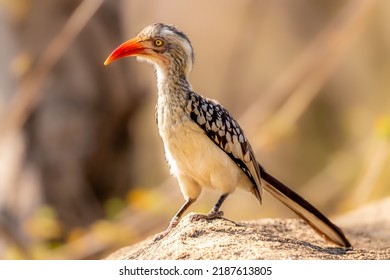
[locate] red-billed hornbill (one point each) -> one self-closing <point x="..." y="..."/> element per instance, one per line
<point x="204" y="145"/>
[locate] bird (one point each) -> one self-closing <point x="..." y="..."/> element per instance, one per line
<point x="204" y="145"/>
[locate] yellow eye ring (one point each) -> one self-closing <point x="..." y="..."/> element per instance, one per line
<point x="158" y="42"/>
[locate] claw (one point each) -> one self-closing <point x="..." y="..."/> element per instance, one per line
<point x="210" y="216"/>
<point x="162" y="235"/>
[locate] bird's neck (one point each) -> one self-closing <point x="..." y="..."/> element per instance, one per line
<point x="172" y="100"/>
<point x="172" y="85"/>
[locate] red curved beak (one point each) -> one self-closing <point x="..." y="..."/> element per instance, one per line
<point x="129" y="48"/>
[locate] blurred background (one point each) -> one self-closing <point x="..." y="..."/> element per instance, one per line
<point x="82" y="168"/>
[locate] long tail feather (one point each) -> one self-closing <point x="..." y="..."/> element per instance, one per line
<point x="321" y="224"/>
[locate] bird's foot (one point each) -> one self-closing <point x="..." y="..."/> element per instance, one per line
<point x="172" y="224"/>
<point x="162" y="235"/>
<point x="210" y="216"/>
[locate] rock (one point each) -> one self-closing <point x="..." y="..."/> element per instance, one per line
<point x="367" y="228"/>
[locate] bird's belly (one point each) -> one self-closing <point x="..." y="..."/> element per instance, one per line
<point x="191" y="153"/>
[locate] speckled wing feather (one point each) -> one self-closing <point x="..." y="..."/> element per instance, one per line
<point x="226" y="133"/>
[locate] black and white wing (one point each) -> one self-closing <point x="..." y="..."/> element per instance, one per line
<point x="226" y="133"/>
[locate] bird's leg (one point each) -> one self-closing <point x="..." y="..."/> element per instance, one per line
<point x="214" y="213"/>
<point x="175" y="220"/>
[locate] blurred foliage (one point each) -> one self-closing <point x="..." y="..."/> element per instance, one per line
<point x="16" y="9"/>
<point x="50" y="241"/>
<point x="382" y="126"/>
<point x="81" y="164"/>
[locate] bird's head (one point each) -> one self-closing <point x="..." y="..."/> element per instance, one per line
<point x="167" y="48"/>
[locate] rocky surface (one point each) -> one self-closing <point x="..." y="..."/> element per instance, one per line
<point x="367" y="228"/>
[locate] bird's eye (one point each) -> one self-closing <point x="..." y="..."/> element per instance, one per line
<point x="158" y="42"/>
